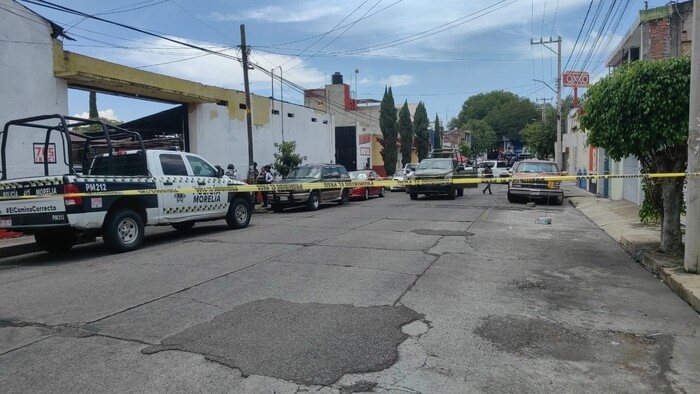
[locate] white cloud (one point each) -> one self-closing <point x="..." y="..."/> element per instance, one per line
<point x="220" y="71"/>
<point x="397" y="80"/>
<point x="304" y="12"/>
<point x="107" y="114"/>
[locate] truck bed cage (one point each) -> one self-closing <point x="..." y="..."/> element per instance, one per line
<point x="100" y="135"/>
<point x="443" y="153"/>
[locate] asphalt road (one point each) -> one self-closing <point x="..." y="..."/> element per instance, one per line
<point x="386" y="295"/>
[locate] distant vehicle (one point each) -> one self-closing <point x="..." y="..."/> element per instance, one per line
<point x="398" y="176"/>
<point x="364" y="192"/>
<point x="409" y="168"/>
<point x="312" y="199"/>
<point x="535" y="189"/>
<point x="443" y="166"/>
<point x="499" y="168"/>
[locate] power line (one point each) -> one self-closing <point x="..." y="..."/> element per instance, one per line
<point x="566" y="67"/>
<point x="328" y="32"/>
<point x="433" y="31"/>
<point x="338" y="36"/>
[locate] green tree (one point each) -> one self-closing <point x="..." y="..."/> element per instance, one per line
<point x="286" y="159"/>
<point x="387" y="124"/>
<point x="483" y="136"/>
<point x="505" y="112"/>
<point x="420" y="126"/>
<point x="540" y="136"/>
<point x="438" y="133"/>
<point x="641" y="109"/>
<point x="405" y="130"/>
<point x="464" y="149"/>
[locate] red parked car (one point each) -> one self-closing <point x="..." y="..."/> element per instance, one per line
<point x="362" y="191"/>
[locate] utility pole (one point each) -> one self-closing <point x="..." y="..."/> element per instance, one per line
<point x="558" y="151"/>
<point x="691" y="261"/>
<point x="282" y="102"/>
<point x="248" y="113"/>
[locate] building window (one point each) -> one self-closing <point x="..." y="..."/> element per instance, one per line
<point x="325" y="122"/>
<point x="290" y="115"/>
<point x="241" y="106"/>
<point x="314" y="120"/>
<point x="275" y="112"/>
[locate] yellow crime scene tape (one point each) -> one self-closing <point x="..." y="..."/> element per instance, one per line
<point x="285" y="187"/>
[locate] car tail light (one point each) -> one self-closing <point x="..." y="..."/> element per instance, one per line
<point x="72" y="188"/>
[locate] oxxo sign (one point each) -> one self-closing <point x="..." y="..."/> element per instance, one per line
<point x="573" y="79"/>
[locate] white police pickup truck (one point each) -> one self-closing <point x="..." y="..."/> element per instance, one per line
<point x="116" y="193"/>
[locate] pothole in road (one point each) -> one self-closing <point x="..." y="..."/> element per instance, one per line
<point x="537" y="284"/>
<point x="644" y="355"/>
<point x="313" y="344"/>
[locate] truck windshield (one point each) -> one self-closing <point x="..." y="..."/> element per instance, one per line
<point x="125" y="165"/>
<point x="435" y="165"/>
<point x="307" y="172"/>
<point x="538" y="167"/>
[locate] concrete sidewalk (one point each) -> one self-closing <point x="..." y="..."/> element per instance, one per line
<point x="620" y="219"/>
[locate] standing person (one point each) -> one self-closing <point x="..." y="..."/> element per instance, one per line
<point x="231" y="171"/>
<point x="265" y="177"/>
<point x="488" y="173"/>
<point x="256" y="172"/>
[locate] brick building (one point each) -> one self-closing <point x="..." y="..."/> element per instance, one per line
<point x="658" y="33"/>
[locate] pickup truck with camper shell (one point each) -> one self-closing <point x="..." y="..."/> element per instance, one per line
<point x="119" y="190"/>
<point x="440" y="169"/>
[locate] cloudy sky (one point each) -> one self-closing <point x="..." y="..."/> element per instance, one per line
<point x="440" y="52"/>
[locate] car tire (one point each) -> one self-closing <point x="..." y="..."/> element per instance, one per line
<point x="365" y="196"/>
<point x="239" y="213"/>
<point x="313" y="202"/>
<point x="344" y="197"/>
<point x="55" y="241"/>
<point x="460" y="192"/>
<point x="381" y="192"/>
<point x="183" y="226"/>
<point x="277" y="208"/>
<point x="414" y="196"/>
<point x="559" y="200"/>
<point x="122" y="231"/>
<point x="452" y="194"/>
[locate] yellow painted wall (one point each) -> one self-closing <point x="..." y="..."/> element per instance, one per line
<point x="376" y="151"/>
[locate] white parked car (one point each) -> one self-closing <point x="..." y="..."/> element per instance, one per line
<point x="500" y="168"/>
<point x="399" y="176"/>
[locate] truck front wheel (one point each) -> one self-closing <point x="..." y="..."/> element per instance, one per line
<point x="123" y="230"/>
<point x="451" y="194"/>
<point x="55" y="241"/>
<point x="238" y="215"/>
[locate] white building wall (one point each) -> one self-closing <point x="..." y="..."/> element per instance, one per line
<point x="27" y="81"/>
<point x="28" y="86"/>
<point x="223" y="140"/>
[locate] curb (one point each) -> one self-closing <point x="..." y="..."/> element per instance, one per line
<point x="687" y="286"/>
<point x="642" y="247"/>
